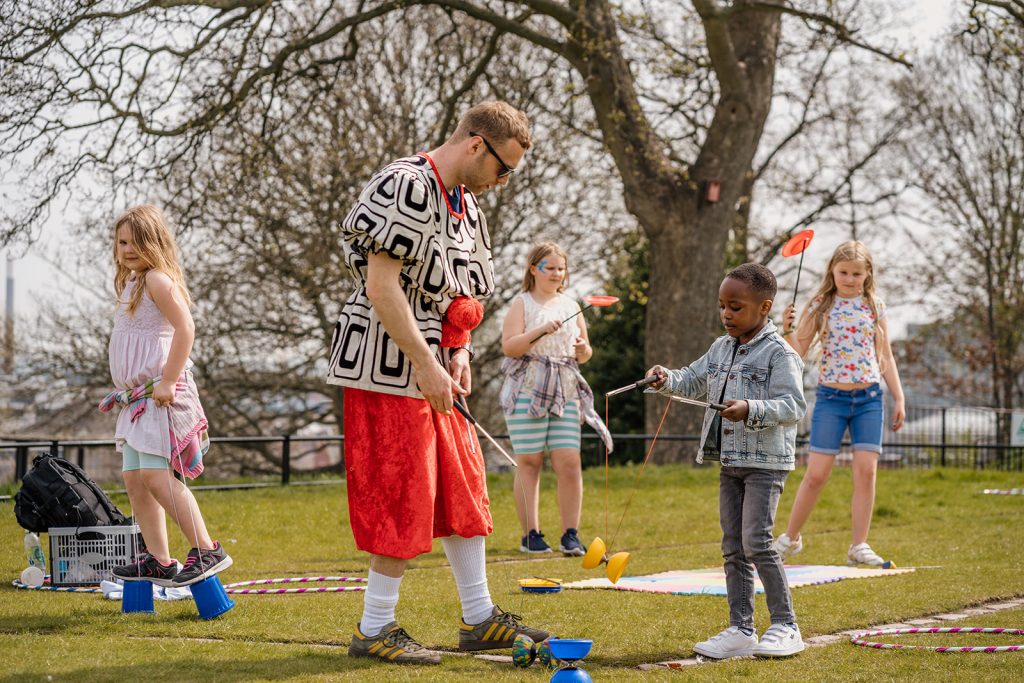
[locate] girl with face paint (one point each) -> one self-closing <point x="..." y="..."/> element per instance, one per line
<point x="544" y="396"/>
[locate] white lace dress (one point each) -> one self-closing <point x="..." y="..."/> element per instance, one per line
<point x="560" y="344"/>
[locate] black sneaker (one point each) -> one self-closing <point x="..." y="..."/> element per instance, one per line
<point x="496" y="631"/>
<point x="201" y="565"/>
<point x="148" y="568"/>
<point x="534" y="542"/>
<point x="570" y="544"/>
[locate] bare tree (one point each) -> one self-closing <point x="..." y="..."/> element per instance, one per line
<point x="983" y="11"/>
<point x="267" y="206"/>
<point x="259" y="202"/>
<point x="89" y="92"/>
<point x="965" y="152"/>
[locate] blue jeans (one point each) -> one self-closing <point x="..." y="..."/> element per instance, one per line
<point x="860" y="410"/>
<point x="747" y="501"/>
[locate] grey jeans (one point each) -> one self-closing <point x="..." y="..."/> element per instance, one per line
<point x="747" y="501"/>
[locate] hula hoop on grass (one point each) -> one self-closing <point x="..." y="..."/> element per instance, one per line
<point x="859" y="639"/>
<point x="56" y="589"/>
<point x="236" y="588"/>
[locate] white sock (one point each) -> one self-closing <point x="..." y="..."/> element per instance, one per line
<point x="466" y="556"/>
<point x="379" y="602"/>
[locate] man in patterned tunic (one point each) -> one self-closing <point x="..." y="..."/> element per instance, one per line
<point x="416" y="241"/>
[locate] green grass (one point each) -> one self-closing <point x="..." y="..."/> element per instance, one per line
<point x="925" y="518"/>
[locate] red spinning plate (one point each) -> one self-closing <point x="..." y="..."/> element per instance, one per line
<point x="797" y="243"/>
<point x="601" y="300"/>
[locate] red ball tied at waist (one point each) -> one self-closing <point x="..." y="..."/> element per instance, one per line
<point x="463" y="315"/>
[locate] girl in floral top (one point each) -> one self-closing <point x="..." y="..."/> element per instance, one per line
<point x="848" y="320"/>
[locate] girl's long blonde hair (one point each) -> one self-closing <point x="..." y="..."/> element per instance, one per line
<point x="821" y="302"/>
<point x="537" y="255"/>
<point x="155" y="245"/>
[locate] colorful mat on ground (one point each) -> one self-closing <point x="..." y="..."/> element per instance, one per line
<point x="712" y="581"/>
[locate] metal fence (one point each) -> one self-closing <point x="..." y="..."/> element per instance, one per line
<point x="932" y="436"/>
<point x="956" y="436"/>
<point x="977" y="438"/>
<point x="291" y="455"/>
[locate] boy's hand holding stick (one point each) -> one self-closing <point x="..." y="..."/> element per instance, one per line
<point x="656" y="378"/>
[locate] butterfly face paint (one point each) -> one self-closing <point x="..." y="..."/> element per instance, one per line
<point x="549" y="274"/>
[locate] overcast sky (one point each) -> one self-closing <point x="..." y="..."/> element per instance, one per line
<point x="38" y="278"/>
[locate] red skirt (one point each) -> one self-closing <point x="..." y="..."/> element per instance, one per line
<point x="413" y="475"/>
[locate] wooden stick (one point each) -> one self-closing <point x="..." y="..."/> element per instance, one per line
<point x="465" y="413"/>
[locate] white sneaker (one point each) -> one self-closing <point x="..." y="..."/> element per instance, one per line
<point x="731" y="642"/>
<point x="785" y="546"/>
<point x="780" y="641"/>
<point x="863" y="554"/>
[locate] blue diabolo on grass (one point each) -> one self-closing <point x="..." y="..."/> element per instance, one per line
<point x="211" y="598"/>
<point x="137" y="597"/>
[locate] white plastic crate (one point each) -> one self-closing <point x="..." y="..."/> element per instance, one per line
<point x="84" y="556"/>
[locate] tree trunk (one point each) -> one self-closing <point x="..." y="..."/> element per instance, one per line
<point x="682" y="313"/>
<point x="687" y="234"/>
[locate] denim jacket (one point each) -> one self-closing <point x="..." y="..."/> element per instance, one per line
<point x="768" y="374"/>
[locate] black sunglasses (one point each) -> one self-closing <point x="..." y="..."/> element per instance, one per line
<point x="506" y="170"/>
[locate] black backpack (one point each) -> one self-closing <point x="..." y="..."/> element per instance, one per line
<point x="57" y="493"/>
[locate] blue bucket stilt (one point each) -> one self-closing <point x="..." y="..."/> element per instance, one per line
<point x="137" y="597"/>
<point x="211" y="598"/>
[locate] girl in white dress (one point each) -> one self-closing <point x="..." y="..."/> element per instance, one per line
<point x="161" y="429"/>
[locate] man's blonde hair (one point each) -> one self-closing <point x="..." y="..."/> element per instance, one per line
<point x="497" y="122"/>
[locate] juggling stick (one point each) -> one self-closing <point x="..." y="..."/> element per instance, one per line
<point x="598" y="300"/>
<point x="797" y="244"/>
<point x="651" y="380"/>
<point x="472" y="420"/>
<point x="635" y="385"/>
<point x="695" y="402"/>
<point x="58" y="589"/>
<point x="597" y="551"/>
<point x="238" y="589"/>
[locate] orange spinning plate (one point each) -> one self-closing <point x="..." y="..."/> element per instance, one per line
<point x="601" y="300"/>
<point x="797" y="243"/>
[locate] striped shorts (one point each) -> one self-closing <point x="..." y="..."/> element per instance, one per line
<point x="535" y="434"/>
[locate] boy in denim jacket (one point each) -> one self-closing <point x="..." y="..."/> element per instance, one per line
<point x="759" y="378"/>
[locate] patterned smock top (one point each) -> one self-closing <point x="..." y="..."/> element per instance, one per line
<point x="405" y="212"/>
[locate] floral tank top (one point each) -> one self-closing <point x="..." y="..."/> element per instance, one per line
<point x="848" y="350"/>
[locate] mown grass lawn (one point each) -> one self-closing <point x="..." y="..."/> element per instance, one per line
<point x="972" y="545"/>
